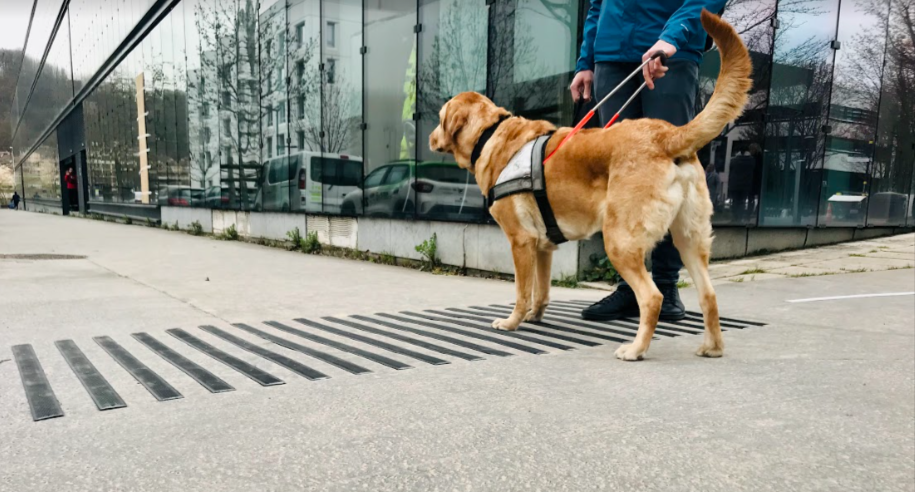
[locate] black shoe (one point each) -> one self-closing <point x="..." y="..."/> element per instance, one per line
<point x="672" y="309"/>
<point x="622" y="304"/>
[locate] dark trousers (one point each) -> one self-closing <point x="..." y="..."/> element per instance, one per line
<point x="673" y="100"/>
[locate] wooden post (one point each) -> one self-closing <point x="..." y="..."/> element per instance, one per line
<point x="141" y="138"/>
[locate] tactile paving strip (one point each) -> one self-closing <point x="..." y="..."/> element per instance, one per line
<point x="382" y="342"/>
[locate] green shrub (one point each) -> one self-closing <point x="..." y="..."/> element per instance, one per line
<point x="128" y="220"/>
<point x="196" y="229"/>
<point x="428" y="249"/>
<point x="295" y="236"/>
<point x="230" y="234"/>
<point x="568" y="281"/>
<point x="310" y="244"/>
<point x="601" y="270"/>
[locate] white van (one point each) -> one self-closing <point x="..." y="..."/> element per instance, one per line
<point x="308" y="181"/>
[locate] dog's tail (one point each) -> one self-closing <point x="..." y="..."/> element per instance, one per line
<point x="730" y="94"/>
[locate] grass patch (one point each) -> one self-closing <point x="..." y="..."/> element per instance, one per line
<point x="310" y="244"/>
<point x="857" y="255"/>
<point x="567" y="281"/>
<point x="854" y="270"/>
<point x="737" y="280"/>
<point x="682" y="284"/>
<point x="230" y="234"/>
<point x="810" y="274"/>
<point x="196" y="229"/>
<point x="295" y="236"/>
<point x="872" y="251"/>
<point x="128" y="220"/>
<point x="601" y="270"/>
<point x="753" y="271"/>
<point x="907" y="267"/>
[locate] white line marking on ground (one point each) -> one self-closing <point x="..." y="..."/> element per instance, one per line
<point x="857" y="296"/>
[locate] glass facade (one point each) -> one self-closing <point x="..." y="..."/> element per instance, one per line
<point x="325" y="106"/>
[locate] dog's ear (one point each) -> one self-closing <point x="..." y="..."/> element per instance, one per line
<point x="454" y="121"/>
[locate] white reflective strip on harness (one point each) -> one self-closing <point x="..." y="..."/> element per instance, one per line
<point x="519" y="166"/>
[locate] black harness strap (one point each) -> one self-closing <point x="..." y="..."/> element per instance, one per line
<point x="539" y="187"/>
<point x="536" y="184"/>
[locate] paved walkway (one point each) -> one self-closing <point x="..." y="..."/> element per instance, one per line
<point x="822" y="397"/>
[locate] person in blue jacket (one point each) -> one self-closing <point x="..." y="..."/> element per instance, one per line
<point x="618" y="36"/>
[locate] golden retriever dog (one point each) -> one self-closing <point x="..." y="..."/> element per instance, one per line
<point x="634" y="182"/>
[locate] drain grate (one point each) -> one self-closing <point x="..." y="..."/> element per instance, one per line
<point x="451" y="334"/>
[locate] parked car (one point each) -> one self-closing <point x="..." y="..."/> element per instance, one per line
<point x="217" y="197"/>
<point x="182" y="196"/>
<point x="441" y="189"/>
<point x="308" y="181"/>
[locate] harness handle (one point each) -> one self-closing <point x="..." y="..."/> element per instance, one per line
<point x="660" y="54"/>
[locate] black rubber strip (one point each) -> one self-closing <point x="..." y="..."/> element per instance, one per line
<point x="206" y="378"/>
<point x="317" y="354"/>
<point x="522" y="327"/>
<point x="101" y="392"/>
<point x="42" y="400"/>
<point x="688" y="331"/>
<point x="732" y="320"/>
<point x="405" y="339"/>
<point x="469" y="334"/>
<point x="478" y="315"/>
<point x="380" y="359"/>
<point x="435" y="361"/>
<point x="574" y="320"/>
<point x="624" y="323"/>
<point x="701" y="321"/>
<point x="291" y="364"/>
<point x="154" y="383"/>
<point x="444" y="338"/>
<point x="256" y="374"/>
<point x="487" y="328"/>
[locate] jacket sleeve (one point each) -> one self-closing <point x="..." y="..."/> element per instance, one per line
<point x="586" y="58"/>
<point x="685" y="21"/>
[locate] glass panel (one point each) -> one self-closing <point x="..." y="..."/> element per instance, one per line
<point x="54" y="87"/>
<point x="452" y="59"/>
<point x="733" y="161"/>
<point x="891" y="174"/>
<point x="41" y="173"/>
<point x="279" y="187"/>
<point x="341" y="108"/>
<point x="40" y="31"/>
<point x="798" y="107"/>
<point x="853" y="113"/>
<point x="532" y="55"/>
<point x="390" y="102"/>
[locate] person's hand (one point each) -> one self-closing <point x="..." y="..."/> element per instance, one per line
<point x="653" y="70"/>
<point x="581" y="85"/>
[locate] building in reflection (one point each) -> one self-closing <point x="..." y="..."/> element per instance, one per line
<point x="324" y="108"/>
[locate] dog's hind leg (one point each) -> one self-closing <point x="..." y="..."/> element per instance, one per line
<point x="544" y="263"/>
<point x="629" y="261"/>
<point x="692" y="235"/>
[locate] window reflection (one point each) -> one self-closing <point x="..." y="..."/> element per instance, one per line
<point x="891" y="174"/>
<point x="390" y="107"/>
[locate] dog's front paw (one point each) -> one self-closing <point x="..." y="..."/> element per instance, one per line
<point x="630" y="352"/>
<point x="710" y="351"/>
<point x="504" y="325"/>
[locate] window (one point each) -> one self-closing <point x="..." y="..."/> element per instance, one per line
<point x="227" y="126"/>
<point x="331" y="70"/>
<point x="301" y="106"/>
<point x="269" y="85"/>
<point x="336" y="172"/>
<point x="226" y="99"/>
<point x="280" y="144"/>
<point x="281" y="113"/>
<point x="205" y="110"/>
<point x="269" y="49"/>
<point x="330" y="34"/>
<point x="299" y="34"/>
<point x="373" y="180"/>
<point x="269" y="117"/>
<point x="397" y="174"/>
<point x="281" y="43"/>
<point x="300" y="139"/>
<point x="269" y="147"/>
<point x="300" y="70"/>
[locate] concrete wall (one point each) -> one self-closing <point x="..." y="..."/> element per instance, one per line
<point x="34" y="206"/>
<point x="184" y="216"/>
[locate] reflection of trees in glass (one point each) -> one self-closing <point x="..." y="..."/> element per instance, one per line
<point x="228" y="54"/>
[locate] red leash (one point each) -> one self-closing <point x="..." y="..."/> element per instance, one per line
<point x="584" y="121"/>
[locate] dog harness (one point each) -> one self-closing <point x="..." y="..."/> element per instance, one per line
<point x="523" y="174"/>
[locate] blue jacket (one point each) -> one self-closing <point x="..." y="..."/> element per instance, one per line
<point x="623" y="30"/>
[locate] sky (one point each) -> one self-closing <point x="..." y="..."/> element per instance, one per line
<point x="14" y="20"/>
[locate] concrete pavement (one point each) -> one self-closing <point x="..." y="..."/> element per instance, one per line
<point x="821" y="398"/>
